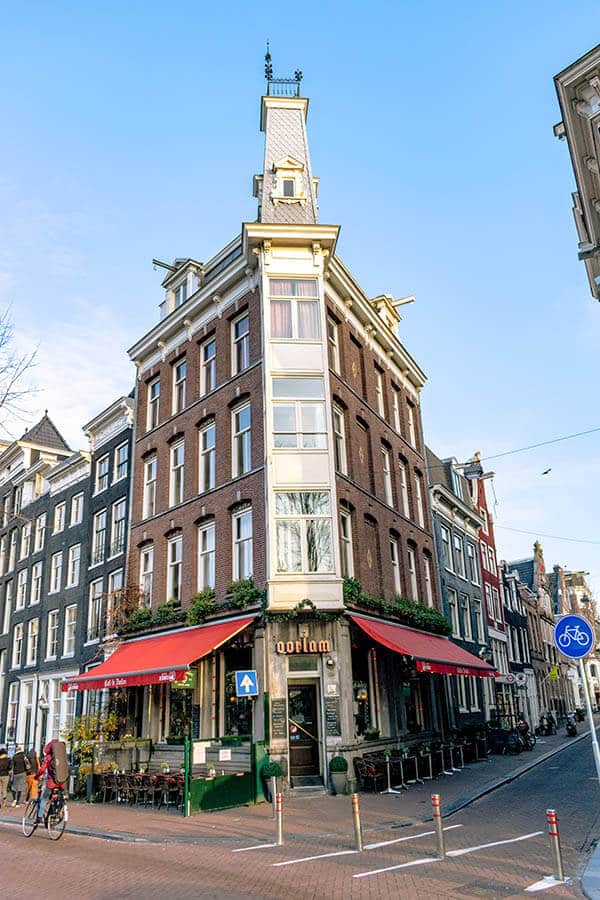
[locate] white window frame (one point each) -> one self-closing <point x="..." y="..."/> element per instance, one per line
<point x="293" y="301"/>
<point x="484" y="559"/>
<point x="301" y="396"/>
<point x="339" y="440"/>
<point x="73" y="566"/>
<point x="206" y="556"/>
<point x="479" y="630"/>
<point x="176" y="473"/>
<point x="300" y="523"/>
<point x="472" y="687"/>
<point x="380" y="392"/>
<point x="59" y="517"/>
<point x="473" y="568"/>
<point x="458" y="550"/>
<point x="484" y="516"/>
<point x="174" y="565"/>
<point x="3" y="543"/>
<point x="461" y="690"/>
<point x="52" y="625"/>
<point x="94" y="618"/>
<point x="180" y="293"/>
<point x="76" y="515"/>
<point x="420" y="504"/>
<point x="243" y="547"/>
<point x="149" y="487"/>
<point x="446" y="542"/>
<point x="12" y="550"/>
<point x="489" y="601"/>
<point x="240" y="345"/>
<point x="492" y="560"/>
<point x="347" y="554"/>
<point x="17" y="646"/>
<point x="241" y="442"/>
<point x="208" y="367"/>
<point x="33" y="635"/>
<point x="99" y="537"/>
<point x="465" y="605"/>
<point x="454" y="615"/>
<point x="428" y="579"/>
<point x="70" y="630"/>
<point x="496" y="602"/>
<point x="102" y="473"/>
<point x="412" y="573"/>
<point x="396" y="410"/>
<point x="120" y="463"/>
<point x="118" y="527"/>
<point x="56" y="562"/>
<point x="396" y="564"/>
<point x="405" y="501"/>
<point x="37" y="583"/>
<point x="333" y="341"/>
<point x="40" y="532"/>
<point x="153" y="404"/>
<point x="147" y="573"/>
<point x="412" y="428"/>
<point x="179" y="376"/>
<point x="25" y="540"/>
<point x="386" y="465"/>
<point x="207" y="457"/>
<point x="21" y="596"/>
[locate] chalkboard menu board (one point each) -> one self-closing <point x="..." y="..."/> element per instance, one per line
<point x="278" y="718"/>
<point x="333" y="725"/>
<point x="195" y="721"/>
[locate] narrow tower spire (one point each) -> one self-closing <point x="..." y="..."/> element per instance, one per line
<point x="286" y="189"/>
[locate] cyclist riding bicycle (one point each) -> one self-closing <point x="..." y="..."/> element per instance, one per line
<point x="53" y="768"/>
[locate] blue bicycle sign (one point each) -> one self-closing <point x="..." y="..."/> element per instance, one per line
<point x="574" y="636"/>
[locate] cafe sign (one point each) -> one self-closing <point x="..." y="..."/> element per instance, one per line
<point x="303" y="645"/>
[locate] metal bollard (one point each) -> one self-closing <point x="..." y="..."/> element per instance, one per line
<point x="356" y="821"/>
<point x="274" y="795"/>
<point x="436" y="806"/>
<point x="279" y="816"/>
<point x="557" y="865"/>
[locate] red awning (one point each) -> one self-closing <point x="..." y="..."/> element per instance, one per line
<point x="156" y="659"/>
<point x="432" y="654"/>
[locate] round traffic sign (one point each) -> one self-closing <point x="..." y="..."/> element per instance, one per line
<point x="574" y="636"/>
<point x="521" y="679"/>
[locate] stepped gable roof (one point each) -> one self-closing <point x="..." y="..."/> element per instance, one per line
<point x="525" y="569"/>
<point x="46" y="434"/>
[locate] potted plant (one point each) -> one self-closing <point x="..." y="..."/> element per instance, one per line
<point x="165" y="768"/>
<point x="338" y="769"/>
<point x="270" y="772"/>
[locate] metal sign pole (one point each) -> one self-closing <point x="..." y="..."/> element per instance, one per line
<point x="588" y="705"/>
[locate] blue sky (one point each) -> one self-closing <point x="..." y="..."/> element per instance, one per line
<point x="131" y="131"/>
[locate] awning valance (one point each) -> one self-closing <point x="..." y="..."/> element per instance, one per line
<point x="156" y="659"/>
<point x="433" y="654"/>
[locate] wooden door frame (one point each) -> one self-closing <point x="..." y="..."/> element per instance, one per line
<point x="297" y="679"/>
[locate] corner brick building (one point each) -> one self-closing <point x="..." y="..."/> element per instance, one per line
<point x="279" y="501"/>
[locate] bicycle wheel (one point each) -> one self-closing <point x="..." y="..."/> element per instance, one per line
<point x="531" y="740"/>
<point x="30" y="818"/>
<point x="55" y="822"/>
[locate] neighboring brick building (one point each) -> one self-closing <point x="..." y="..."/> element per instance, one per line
<point x="278" y="472"/>
<point x="522" y="698"/>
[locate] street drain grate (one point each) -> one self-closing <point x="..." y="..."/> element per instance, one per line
<point x="489" y="889"/>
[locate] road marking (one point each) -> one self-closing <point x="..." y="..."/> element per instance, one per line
<point x="410" y="837"/>
<point x="255" y="847"/>
<point x="292" y="862"/>
<point x="414" y="862"/>
<point x="549" y="881"/>
<point x="465" y="850"/>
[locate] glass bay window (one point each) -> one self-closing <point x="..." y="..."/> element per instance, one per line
<point x="304" y="531"/>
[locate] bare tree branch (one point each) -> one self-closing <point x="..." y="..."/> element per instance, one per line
<point x="14" y="371"/>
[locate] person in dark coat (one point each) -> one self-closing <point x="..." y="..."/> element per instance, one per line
<point x="32" y="785"/>
<point x="19" y="771"/>
<point x="4" y="776"/>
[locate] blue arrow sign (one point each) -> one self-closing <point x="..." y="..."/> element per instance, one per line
<point x="246" y="683"/>
<point x="574" y="636"/>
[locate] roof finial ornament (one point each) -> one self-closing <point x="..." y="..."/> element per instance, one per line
<point x="268" y="64"/>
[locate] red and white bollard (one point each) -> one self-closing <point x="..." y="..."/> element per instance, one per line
<point x="436" y="808"/>
<point x="557" y="865"/>
<point x="279" y="817"/>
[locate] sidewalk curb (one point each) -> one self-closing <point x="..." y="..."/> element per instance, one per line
<point x="134" y="838"/>
<point x="590" y="880"/>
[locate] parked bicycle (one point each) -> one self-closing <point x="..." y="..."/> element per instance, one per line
<point x="56" y="815"/>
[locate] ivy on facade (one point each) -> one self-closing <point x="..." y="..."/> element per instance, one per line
<point x="402" y="608"/>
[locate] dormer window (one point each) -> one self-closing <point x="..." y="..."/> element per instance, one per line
<point x="288" y="181"/>
<point x="180" y="293"/>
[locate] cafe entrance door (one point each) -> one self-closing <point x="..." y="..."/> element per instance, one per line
<point x="303" y="728"/>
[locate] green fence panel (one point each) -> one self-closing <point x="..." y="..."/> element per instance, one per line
<point x="259" y="757"/>
<point x="221" y="792"/>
